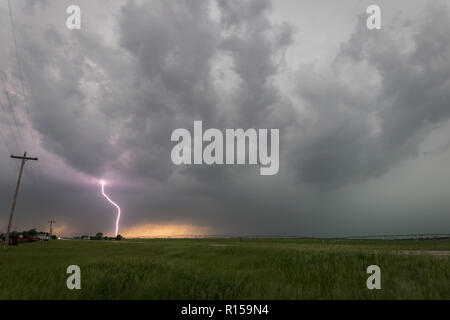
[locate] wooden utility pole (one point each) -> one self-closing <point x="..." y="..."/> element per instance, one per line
<point x="51" y="230"/>
<point x="24" y="159"/>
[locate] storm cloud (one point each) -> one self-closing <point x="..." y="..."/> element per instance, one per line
<point x="363" y="118"/>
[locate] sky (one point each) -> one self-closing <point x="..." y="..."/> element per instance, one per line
<point x="363" y="116"/>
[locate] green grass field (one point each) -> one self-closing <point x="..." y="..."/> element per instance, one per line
<point x="225" y="269"/>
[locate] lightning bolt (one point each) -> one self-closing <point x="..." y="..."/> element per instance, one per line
<point x="113" y="203"/>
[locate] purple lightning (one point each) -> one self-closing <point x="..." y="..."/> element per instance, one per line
<point x="113" y="203"/>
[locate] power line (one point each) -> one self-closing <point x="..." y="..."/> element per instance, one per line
<point x="11" y="109"/>
<point x="33" y="177"/>
<point x="11" y="131"/>
<point x="19" y="64"/>
<point x="33" y="182"/>
<point x="17" y="145"/>
<point x="9" y="126"/>
<point x="20" y="72"/>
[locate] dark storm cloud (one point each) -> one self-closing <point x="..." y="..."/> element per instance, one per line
<point x="183" y="69"/>
<point x="106" y="109"/>
<point x="257" y="48"/>
<point x="105" y="101"/>
<point x="172" y="64"/>
<point x="411" y="97"/>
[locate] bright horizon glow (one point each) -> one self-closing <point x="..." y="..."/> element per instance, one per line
<point x="113" y="203"/>
<point x="166" y="230"/>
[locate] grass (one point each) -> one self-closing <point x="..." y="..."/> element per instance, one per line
<point x="225" y="269"/>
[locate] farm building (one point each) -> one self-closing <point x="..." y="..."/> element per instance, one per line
<point x="42" y="236"/>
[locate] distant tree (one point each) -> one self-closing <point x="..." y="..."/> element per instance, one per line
<point x="32" y="232"/>
<point x="98" y="236"/>
<point x="119" y="237"/>
<point x="29" y="233"/>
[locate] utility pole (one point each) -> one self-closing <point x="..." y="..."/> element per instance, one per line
<point x="24" y="159"/>
<point x="51" y="231"/>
